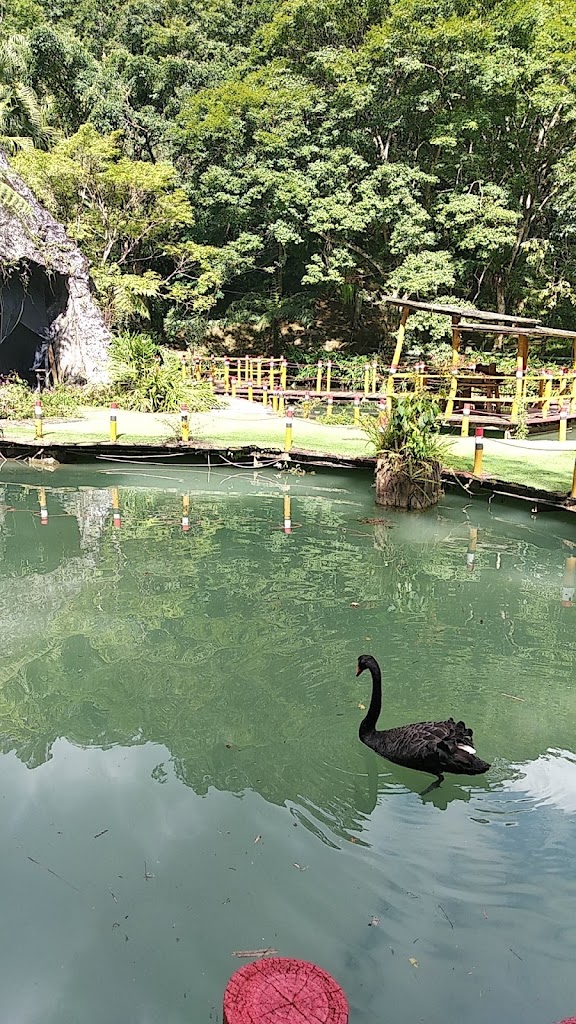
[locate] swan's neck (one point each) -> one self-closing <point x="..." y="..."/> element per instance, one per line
<point x="369" y="723"/>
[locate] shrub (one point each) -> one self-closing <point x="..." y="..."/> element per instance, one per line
<point x="17" y="400"/>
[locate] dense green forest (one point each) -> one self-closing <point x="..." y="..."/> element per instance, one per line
<point x="273" y="162"/>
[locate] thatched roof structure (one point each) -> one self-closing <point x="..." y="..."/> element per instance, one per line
<point x="45" y="292"/>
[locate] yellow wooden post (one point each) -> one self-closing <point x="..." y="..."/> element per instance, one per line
<point x="226" y="375"/>
<point x="281" y="403"/>
<point x="306" y="405"/>
<point x="259" y="372"/>
<point x="328" y="375"/>
<point x="283" y="374"/>
<point x="183" y="366"/>
<point x="265" y="396"/>
<point x="185" y="423"/>
<point x="374" y="375"/>
<point x="38" y="417"/>
<point x="198" y="369"/>
<point x="271" y="377"/>
<point x="246" y="368"/>
<point x="239" y="371"/>
<point x="275" y="401"/>
<point x="356" y="410"/>
<point x="366" y="378"/>
<point x="514" y="412"/>
<point x="547" y="394"/>
<point x="455" y="360"/>
<point x="465" y="428"/>
<point x="573" y="393"/>
<point x="573" y="491"/>
<point x="478" y="451"/>
<point x="396" y="357"/>
<point x="563" y="422"/>
<point x="234" y="386"/>
<point x="250" y="391"/>
<point x="319" y="377"/>
<point x="563" y="383"/>
<point x="288" y="431"/>
<point x="113" y="423"/>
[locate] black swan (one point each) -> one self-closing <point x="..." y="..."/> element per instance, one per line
<point x="433" y="747"/>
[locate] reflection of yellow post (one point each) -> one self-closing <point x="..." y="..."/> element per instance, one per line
<point x="382" y="413"/>
<point x="239" y="370"/>
<point x="319" y="377"/>
<point x="246" y="368"/>
<point x="287" y="514"/>
<point x="366" y="378"/>
<point x="226" y="375"/>
<point x="573" y="491"/>
<point x="184" y="367"/>
<point x="271" y="376"/>
<point x="288" y="431"/>
<point x="234" y="386"/>
<point x="563" y="382"/>
<point x="563" y="422"/>
<point x="356" y="410"/>
<point x="283" y="374"/>
<point x="478" y="451"/>
<point x="328" y="376"/>
<point x="116" y="508"/>
<point x="37" y="419"/>
<point x="259" y="372"/>
<point x="471" y="554"/>
<point x="265" y="396"/>
<point x="113" y="422"/>
<point x="465" y="429"/>
<point x="280" y="403"/>
<point x="43" y="506"/>
<point x="250" y="391"/>
<point x="569" y="582"/>
<point x="274" y="401"/>
<point x="198" y="369"/>
<point x="185" y="513"/>
<point x="306" y="405"/>
<point x="184" y="423"/>
<point x="330" y="405"/>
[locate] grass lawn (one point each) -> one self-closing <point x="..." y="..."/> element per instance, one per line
<point x="537" y="463"/>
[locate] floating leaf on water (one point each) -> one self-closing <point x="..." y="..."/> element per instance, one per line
<point x="362" y="707"/>
<point x="413" y="961"/>
<point x="258" y="838"/>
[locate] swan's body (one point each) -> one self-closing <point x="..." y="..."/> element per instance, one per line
<point x="434" y="747"/>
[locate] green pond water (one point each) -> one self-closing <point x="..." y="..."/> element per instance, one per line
<point x="181" y="778"/>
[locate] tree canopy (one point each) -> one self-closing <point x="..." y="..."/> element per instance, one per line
<point x="244" y="163"/>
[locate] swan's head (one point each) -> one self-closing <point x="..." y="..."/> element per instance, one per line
<point x="365" y="661"/>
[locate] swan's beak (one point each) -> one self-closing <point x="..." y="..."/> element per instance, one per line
<point x="358" y="670"/>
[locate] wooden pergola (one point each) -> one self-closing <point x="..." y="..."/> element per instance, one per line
<point x="468" y="321"/>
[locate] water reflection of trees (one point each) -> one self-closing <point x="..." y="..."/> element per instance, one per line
<point x="225" y="643"/>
